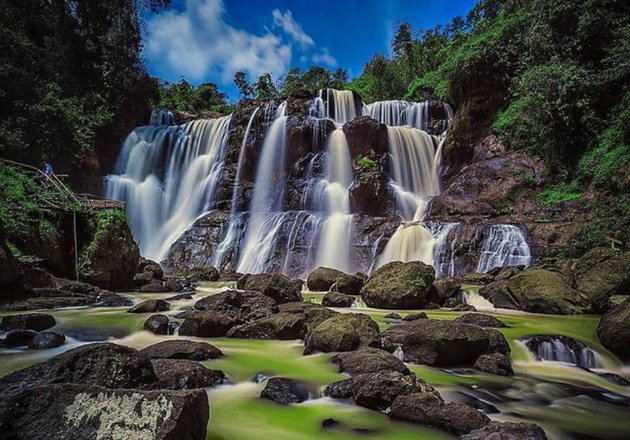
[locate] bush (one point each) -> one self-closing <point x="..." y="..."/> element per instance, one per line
<point x="560" y="193"/>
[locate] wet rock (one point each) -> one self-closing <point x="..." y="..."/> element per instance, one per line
<point x="329" y="423"/>
<point x="111" y="299"/>
<point x="183" y="374"/>
<point x="283" y="326"/>
<point x="507" y="431"/>
<point x="368" y="360"/>
<point x="46" y="340"/>
<point x="459" y="418"/>
<point x="370" y="193"/>
<point x="345" y="332"/>
<point x="154" y="287"/>
<point x="399" y="285"/>
<point x="494" y="363"/>
<point x="335" y="299"/>
<point x="110" y="261"/>
<point x="447" y="288"/>
<point x="207" y="324"/>
<point x="10" y="271"/>
<point x="178" y="285"/>
<point x="27" y="321"/>
<point x="481" y="319"/>
<point x="393" y="315"/>
<point x="613" y="330"/>
<point x="241" y="306"/>
<point x="150" y="267"/>
<point x="179" y="297"/>
<point x="89" y="411"/>
<point x="364" y="134"/>
<point x="538" y="290"/>
<point x="150" y="306"/>
<point x="452" y="303"/>
<point x="349" y="284"/>
<point x="284" y="391"/>
<point x="322" y="279"/>
<point x="203" y="272"/>
<point x="464" y="308"/>
<point x="104" y="364"/>
<point x="19" y="338"/>
<point x="182" y="349"/>
<point x="157" y="324"/>
<point x="417" y="407"/>
<point x="280" y="288"/>
<point x="414" y="316"/>
<point x="561" y="348"/>
<point x="315" y="313"/>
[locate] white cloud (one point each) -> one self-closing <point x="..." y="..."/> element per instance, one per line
<point x="197" y="42"/>
<point x="292" y="28"/>
<point x="325" y="57"/>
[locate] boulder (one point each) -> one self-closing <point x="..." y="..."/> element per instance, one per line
<point x="157" y="324"/>
<point x="335" y="299"/>
<point x="103" y="364"/>
<point x="182" y="349"/>
<point x="88" y="411"/>
<point x="349" y="284"/>
<point x="10" y="271"/>
<point x="46" y="340"/>
<point x="507" y="431"/>
<point x="393" y="316"/>
<point x="459" y="418"/>
<point x="150" y="267"/>
<point x="447" y="288"/>
<point x="345" y="332"/>
<point x="368" y="360"/>
<point x="464" y="308"/>
<point x="183" y="374"/>
<point x="154" y="286"/>
<point x="494" y="363"/>
<point x="207" y="324"/>
<point x="111" y="299"/>
<point x="481" y="319"/>
<point x="28" y="321"/>
<point x="538" y="290"/>
<point x="322" y="279"/>
<point x="399" y="285"/>
<point x="240" y="306"/>
<point x="613" y="330"/>
<point x="110" y="261"/>
<point x="280" y="288"/>
<point x="284" y="391"/>
<point x="315" y="313"/>
<point x="19" y="338"/>
<point x="416" y="407"/>
<point x="365" y="134"/>
<point x="283" y="326"/>
<point x="203" y="272"/>
<point x="601" y="273"/>
<point x="414" y="316"/>
<point x="150" y="306"/>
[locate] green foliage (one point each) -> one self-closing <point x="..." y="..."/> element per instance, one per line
<point x="559" y="193"/>
<point x="363" y="161"/>
<point x="19" y="213"/>
<point x="314" y="78"/>
<point x="184" y="97"/>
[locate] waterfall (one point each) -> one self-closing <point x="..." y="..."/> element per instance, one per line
<point x="161" y="116"/>
<point x="334" y="246"/>
<point x="473" y="298"/>
<point x="339" y="105"/>
<point x="265" y="210"/>
<point x="417" y="115"/>
<point x="505" y="245"/>
<point x="389" y="112"/>
<point x="562" y="349"/>
<point x="168" y="175"/>
<point x="444" y="249"/>
<point x="415" y="162"/>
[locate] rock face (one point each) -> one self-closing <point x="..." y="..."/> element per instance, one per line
<point x="603" y="272"/>
<point x="70" y="411"/>
<point x="345" y="332"/>
<point x="507" y="431"/>
<point x="182" y="349"/>
<point x="322" y="279"/>
<point x="284" y="391"/>
<point x="369" y="360"/>
<point x="9" y="267"/>
<point x="365" y="134"/>
<point x="28" y="321"/>
<point x="613" y="330"/>
<point x="111" y="260"/>
<point x="538" y="290"/>
<point x="399" y="285"/>
<point x="280" y="288"/>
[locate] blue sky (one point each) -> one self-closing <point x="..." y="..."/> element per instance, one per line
<point x="209" y="40"/>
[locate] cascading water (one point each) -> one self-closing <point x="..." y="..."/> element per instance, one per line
<point x="339" y="105"/>
<point x="505" y="245"/>
<point x="562" y="349"/>
<point x="160" y="116"/>
<point x="334" y="247"/>
<point x="389" y="112"/>
<point x="168" y="177"/>
<point x="265" y="211"/>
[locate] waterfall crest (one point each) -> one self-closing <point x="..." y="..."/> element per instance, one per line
<point x="505" y="245"/>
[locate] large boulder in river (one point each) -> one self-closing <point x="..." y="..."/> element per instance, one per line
<point x="369" y="360"/>
<point x="89" y="411"/>
<point x="283" y="325"/>
<point x="507" y="431"/>
<point x="349" y="284"/>
<point x="27" y="321"/>
<point x="203" y="272"/>
<point x="494" y="363"/>
<point x="345" y="332"/>
<point x="207" y="324"/>
<point x="400" y="285"/>
<point x="240" y="306"/>
<point x="182" y="349"/>
<point x="336" y="299"/>
<point x="481" y="319"/>
<point x="613" y="330"/>
<point x="150" y="306"/>
<point x="315" y="313"/>
<point x="284" y="391"/>
<point x="280" y="288"/>
<point x="110" y="261"/>
<point x="539" y="290"/>
<point x="364" y="134"/>
<point x="182" y="374"/>
<point x="322" y="279"/>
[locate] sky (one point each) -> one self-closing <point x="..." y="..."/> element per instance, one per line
<point x="210" y="40"/>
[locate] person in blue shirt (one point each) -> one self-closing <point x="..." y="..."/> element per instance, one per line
<point x="45" y="173"/>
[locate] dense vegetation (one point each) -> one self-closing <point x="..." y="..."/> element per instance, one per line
<point x="184" y="97"/>
<point x="72" y="82"/>
<point x="563" y="68"/>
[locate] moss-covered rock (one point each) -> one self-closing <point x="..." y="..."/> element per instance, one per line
<point x="111" y="259"/>
<point x="322" y="279"/>
<point x="345" y="332"/>
<point x="400" y="285"/>
<point x="613" y="330"/>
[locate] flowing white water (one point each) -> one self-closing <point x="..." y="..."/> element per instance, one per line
<point x="557" y="349"/>
<point x="389" y="112"/>
<point x="162" y="117"/>
<point x="265" y="211"/>
<point x="339" y="105"/>
<point x="505" y="245"/>
<point x="334" y="249"/>
<point x="168" y="177"/>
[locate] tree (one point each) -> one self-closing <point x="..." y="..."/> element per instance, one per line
<point x="245" y="90"/>
<point x="265" y="88"/>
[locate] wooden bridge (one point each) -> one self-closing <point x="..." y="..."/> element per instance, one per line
<point x="59" y="197"/>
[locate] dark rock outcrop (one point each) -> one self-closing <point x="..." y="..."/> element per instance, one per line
<point x="19" y="338"/>
<point x="280" y="288"/>
<point x="182" y="349"/>
<point x="284" y="391"/>
<point x="322" y="279"/>
<point x="365" y="134"/>
<point x="481" y="319"/>
<point x="336" y="299"/>
<point x="368" y="360"/>
<point x="150" y="306"/>
<point x="183" y="374"/>
<point x="349" y="284"/>
<point x="345" y="332"/>
<point x="283" y="325"/>
<point x="399" y="285"/>
<point x="240" y="306"/>
<point x="207" y="324"/>
<point x="507" y="431"/>
<point x="613" y="330"/>
<point x="494" y="363"/>
<point x="46" y="340"/>
<point x="28" y="321"/>
<point x="157" y="324"/>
